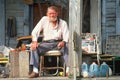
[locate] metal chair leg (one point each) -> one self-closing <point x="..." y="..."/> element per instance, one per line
<point x="57" y="66"/>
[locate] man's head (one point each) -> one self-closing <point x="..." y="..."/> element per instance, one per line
<point x="52" y="13"/>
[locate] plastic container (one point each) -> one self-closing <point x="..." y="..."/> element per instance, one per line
<point x="84" y="70"/>
<point x="104" y="70"/>
<point x="94" y="70"/>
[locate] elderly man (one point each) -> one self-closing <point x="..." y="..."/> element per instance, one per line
<point x="55" y="37"/>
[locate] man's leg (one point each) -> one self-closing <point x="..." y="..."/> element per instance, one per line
<point x="34" y="57"/>
<point x="64" y="50"/>
<point x="44" y="47"/>
<point x="34" y="60"/>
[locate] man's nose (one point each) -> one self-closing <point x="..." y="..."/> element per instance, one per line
<point x="52" y="15"/>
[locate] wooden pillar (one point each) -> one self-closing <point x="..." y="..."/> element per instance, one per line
<point x="75" y="27"/>
<point x="2" y="22"/>
<point x="95" y="21"/>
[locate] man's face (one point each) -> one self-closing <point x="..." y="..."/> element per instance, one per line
<point x="52" y="14"/>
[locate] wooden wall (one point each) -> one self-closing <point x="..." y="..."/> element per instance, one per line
<point x="18" y="10"/>
<point x="108" y="17"/>
<point x="2" y="22"/>
<point x="108" y="20"/>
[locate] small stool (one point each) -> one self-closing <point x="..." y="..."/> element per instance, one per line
<point x="55" y="53"/>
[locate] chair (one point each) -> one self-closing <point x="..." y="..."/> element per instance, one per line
<point x="56" y="54"/>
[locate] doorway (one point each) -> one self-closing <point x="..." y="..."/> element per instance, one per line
<point x="86" y="16"/>
<point x="91" y="17"/>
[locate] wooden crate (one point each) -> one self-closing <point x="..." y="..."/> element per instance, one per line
<point x="23" y="63"/>
<point x="14" y="64"/>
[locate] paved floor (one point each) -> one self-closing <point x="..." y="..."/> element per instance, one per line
<point x="64" y="78"/>
<point x="39" y="78"/>
<point x="102" y="78"/>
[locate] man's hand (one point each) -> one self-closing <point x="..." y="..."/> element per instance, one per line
<point x="34" y="45"/>
<point x="61" y="44"/>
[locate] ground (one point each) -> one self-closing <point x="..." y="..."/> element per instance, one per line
<point x="64" y="78"/>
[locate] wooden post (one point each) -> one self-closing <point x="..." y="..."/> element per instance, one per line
<point x="95" y="21"/>
<point x="23" y="63"/>
<point x="75" y="26"/>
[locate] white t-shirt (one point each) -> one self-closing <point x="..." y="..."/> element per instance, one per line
<point x="59" y="32"/>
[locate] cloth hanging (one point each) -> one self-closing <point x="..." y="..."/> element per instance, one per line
<point x="11" y="27"/>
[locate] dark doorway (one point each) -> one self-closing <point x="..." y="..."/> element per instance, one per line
<point x="39" y="10"/>
<point x="86" y="16"/>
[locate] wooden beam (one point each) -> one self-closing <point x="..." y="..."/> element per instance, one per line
<point x="75" y="26"/>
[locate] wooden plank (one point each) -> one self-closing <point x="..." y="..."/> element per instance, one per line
<point x="24" y="37"/>
<point x="3" y="59"/>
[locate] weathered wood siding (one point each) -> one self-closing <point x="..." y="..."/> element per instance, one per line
<point x="108" y="17"/>
<point x="118" y="16"/>
<point x="15" y="8"/>
<point x="2" y="22"/>
<point x="108" y="20"/>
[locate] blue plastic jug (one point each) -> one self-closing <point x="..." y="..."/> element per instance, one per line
<point x="104" y="69"/>
<point x="94" y="70"/>
<point x="84" y="70"/>
<point x="84" y="67"/>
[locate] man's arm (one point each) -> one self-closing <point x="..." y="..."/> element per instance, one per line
<point x="34" y="45"/>
<point x="36" y="31"/>
<point x="65" y="35"/>
<point x="35" y="34"/>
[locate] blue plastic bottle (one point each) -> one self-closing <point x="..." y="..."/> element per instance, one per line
<point x="94" y="70"/>
<point x="84" y="69"/>
<point x="104" y="70"/>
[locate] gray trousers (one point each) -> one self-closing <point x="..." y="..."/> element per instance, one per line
<point x="44" y="47"/>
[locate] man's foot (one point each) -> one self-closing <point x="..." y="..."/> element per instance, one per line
<point x="33" y="75"/>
